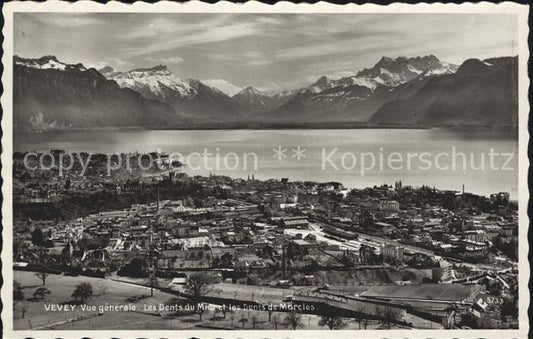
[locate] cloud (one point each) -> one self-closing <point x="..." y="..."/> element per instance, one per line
<point x="333" y="48"/>
<point x="287" y="48"/>
<point x="269" y="20"/>
<point x="76" y="21"/>
<point x="270" y="87"/>
<point x="69" y="20"/>
<point x="169" y="60"/>
<point x="221" y="57"/>
<point x="259" y="62"/>
<point x="118" y="64"/>
<point x="121" y="63"/>
<point x="256" y="58"/>
<point x="253" y="54"/>
<point x="209" y="34"/>
<point x="341" y="74"/>
<point x="97" y="65"/>
<point x="115" y="63"/>
<point x="157" y="27"/>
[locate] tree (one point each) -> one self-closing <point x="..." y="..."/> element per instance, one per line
<point x="380" y="313"/>
<point x="360" y="314"/>
<point x="275" y="321"/>
<point x="449" y="318"/>
<point x="18" y="295"/>
<point x="390" y="315"/>
<point x="225" y="311"/>
<point x="82" y="292"/>
<point x="333" y="322"/>
<point x="216" y="261"/>
<point x="41" y="292"/>
<point x="293" y="320"/>
<point x="18" y="299"/>
<point x="135" y="268"/>
<point x="37" y="237"/>
<point x="198" y="284"/>
<point x="152" y="267"/>
<point x="231" y="317"/>
<point x="42" y="275"/>
<point x="365" y="323"/>
<point x="152" y="281"/>
<point x="270" y="312"/>
<point x="495" y="288"/>
<point x="23" y="309"/>
<point x="216" y="311"/>
<point x="468" y="319"/>
<point x="226" y="260"/>
<point x="243" y="320"/>
<point x="255" y="320"/>
<point x="200" y="310"/>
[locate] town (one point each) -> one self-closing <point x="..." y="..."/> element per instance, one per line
<point x="294" y="254"/>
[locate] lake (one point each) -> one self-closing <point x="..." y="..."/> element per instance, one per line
<point x="484" y="161"/>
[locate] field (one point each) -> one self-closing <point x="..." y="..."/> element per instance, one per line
<point x="424" y="291"/>
<point x="111" y="292"/>
<point x="250" y="293"/>
<point x="61" y="288"/>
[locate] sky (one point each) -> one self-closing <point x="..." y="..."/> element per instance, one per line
<point x="270" y="51"/>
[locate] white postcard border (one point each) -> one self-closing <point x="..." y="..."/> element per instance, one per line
<point x="255" y="7"/>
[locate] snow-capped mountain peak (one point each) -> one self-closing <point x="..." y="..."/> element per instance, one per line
<point x="250" y="90"/>
<point x="47" y="62"/>
<point x="153" y="82"/>
<point x="387" y="72"/>
<point x="222" y="85"/>
<point x="369" y="85"/>
<point x="391" y="72"/>
<point x="445" y="68"/>
<point x="321" y="84"/>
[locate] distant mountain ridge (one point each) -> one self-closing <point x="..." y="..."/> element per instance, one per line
<point x="356" y="98"/>
<point x="50" y="93"/>
<point x="47" y="62"/>
<point x="393" y="72"/>
<point x="417" y="91"/>
<point x="190" y="98"/>
<point x="480" y="93"/>
<point x="252" y="99"/>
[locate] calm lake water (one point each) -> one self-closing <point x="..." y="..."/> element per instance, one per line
<point x="485" y="161"/>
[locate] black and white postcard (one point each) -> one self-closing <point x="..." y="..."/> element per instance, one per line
<point x="265" y="171"/>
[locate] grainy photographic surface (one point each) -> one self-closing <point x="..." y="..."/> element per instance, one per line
<point x="264" y="170"/>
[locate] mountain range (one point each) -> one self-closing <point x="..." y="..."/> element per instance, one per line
<point x="479" y="93"/>
<point x="416" y="91"/>
<point x="50" y="94"/>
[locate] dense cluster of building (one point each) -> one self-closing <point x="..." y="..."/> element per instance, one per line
<point x="250" y="230"/>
